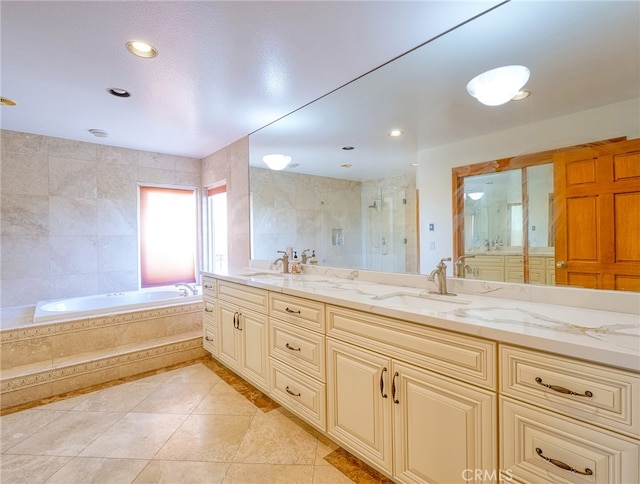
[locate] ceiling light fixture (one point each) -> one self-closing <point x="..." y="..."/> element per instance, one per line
<point x="276" y="161"/>
<point x="346" y="165"/>
<point x="476" y="196"/>
<point x="99" y="133"/>
<point x="142" y="49"/>
<point x="498" y="86"/>
<point x="5" y="101"/>
<point x="521" y="95"/>
<point x="117" y="92"/>
<point x="348" y="148"/>
<point x="394" y="133"/>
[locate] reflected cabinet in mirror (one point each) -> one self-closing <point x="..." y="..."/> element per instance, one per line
<point x="545" y="188"/>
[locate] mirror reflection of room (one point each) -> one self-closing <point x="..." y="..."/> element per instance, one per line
<point x="440" y="128"/>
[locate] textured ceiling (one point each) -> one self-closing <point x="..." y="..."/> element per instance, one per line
<point x="225" y="69"/>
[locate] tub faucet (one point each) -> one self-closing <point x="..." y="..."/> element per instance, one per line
<point x="461" y="267"/>
<point x="191" y="287"/>
<point x="440" y="274"/>
<point x="285" y="261"/>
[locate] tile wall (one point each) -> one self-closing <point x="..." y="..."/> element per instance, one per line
<point x="68" y="213"/>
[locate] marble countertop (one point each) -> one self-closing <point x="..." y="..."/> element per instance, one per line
<point x="601" y="336"/>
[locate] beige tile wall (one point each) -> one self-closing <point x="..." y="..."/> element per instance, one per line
<point x="68" y="214"/>
<point x="231" y="164"/>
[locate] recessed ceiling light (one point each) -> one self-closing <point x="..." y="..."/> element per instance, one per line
<point x="142" y="49"/>
<point x="5" y="101"/>
<point x="345" y="165"/>
<point x="414" y="164"/>
<point x="117" y="92"/>
<point x="99" y="133"/>
<point x="348" y="148"/>
<point x="521" y="95"/>
<point x="394" y="133"/>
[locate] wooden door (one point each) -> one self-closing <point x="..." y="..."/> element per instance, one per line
<point x="597" y="205"/>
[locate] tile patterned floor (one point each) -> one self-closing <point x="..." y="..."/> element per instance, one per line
<point x="194" y="423"/>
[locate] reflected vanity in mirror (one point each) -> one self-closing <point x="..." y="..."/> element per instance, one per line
<point x="387" y="205"/>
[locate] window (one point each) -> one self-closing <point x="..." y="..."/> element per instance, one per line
<point x="168" y="235"/>
<point x="217" y="223"/>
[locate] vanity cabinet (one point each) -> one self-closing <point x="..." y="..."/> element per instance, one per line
<point x="395" y="400"/>
<point x="542" y="270"/>
<point x="514" y="269"/>
<point x="241" y="314"/>
<point x="584" y="427"/>
<point x="297" y="356"/>
<point x="486" y="267"/>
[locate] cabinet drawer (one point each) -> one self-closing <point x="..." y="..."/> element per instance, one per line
<point x="299" y="311"/>
<point x="302" y="349"/>
<point x="538" y="262"/>
<point x="487" y="260"/>
<point x="514" y="260"/>
<point x="209" y="309"/>
<point x="209" y="286"/>
<point x="245" y="296"/>
<point x="605" y="396"/>
<point x="210" y="338"/>
<point x="463" y="357"/>
<point x="302" y="395"/>
<point x="537" y="446"/>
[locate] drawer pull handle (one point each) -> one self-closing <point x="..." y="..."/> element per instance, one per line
<point x="208" y="286"/>
<point x="393" y="388"/>
<point x="208" y="339"/>
<point x="563" y="390"/>
<point x="562" y="465"/>
<point x="291" y="393"/>
<point x="289" y="347"/>
<point x="291" y="311"/>
<point x="384" y="370"/>
<point x="207" y="310"/>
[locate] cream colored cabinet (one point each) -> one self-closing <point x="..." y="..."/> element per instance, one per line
<point x="514" y="269"/>
<point x="551" y="271"/>
<point x="387" y="406"/>
<point x="486" y="267"/>
<point x="585" y="426"/>
<point x="242" y="331"/>
<point x="359" y="402"/>
<point x="538" y="446"/>
<point x="210" y="327"/>
<point x="297" y="356"/>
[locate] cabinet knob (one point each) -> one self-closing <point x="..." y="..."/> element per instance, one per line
<point x="561" y="264"/>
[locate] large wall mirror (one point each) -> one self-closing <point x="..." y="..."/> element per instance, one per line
<point x="361" y="198"/>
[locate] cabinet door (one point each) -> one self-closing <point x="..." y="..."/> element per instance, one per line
<point x="359" y="402"/>
<point x="444" y="429"/>
<point x="252" y="329"/>
<point x="228" y="341"/>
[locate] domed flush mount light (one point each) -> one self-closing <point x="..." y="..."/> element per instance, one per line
<point x="276" y="161"/>
<point x="475" y="196"/>
<point x="395" y="133"/>
<point x="142" y="49"/>
<point x="498" y="86"/>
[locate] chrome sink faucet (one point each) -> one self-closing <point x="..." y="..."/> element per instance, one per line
<point x="191" y="287"/>
<point x="461" y="267"/>
<point x="439" y="276"/>
<point x="285" y="261"/>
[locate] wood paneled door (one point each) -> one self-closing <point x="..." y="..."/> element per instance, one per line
<point x="597" y="209"/>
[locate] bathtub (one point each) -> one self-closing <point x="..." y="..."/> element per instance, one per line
<point x="104" y="304"/>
